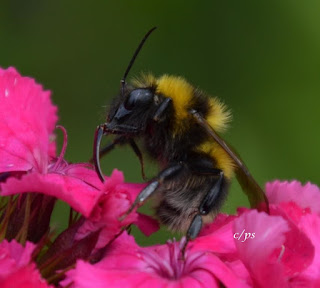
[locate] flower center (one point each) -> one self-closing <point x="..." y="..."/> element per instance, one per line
<point x="170" y="265"/>
<point x="167" y="262"/>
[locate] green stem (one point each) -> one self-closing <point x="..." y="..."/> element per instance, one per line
<point x="23" y="233"/>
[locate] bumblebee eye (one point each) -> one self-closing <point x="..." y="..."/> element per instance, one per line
<point x="138" y="97"/>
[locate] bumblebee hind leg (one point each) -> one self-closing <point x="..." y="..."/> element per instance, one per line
<point x="206" y="206"/>
<point x="165" y="175"/>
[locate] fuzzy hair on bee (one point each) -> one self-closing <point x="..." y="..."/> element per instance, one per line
<point x="176" y="125"/>
<point x="176" y="138"/>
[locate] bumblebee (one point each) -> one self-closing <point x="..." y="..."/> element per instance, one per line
<point x="178" y="126"/>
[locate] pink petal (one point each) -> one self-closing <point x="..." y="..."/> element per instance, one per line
<point x="16" y="269"/>
<point x="116" y="181"/>
<point x="240" y="271"/>
<point x="220" y="221"/>
<point x="88" y="276"/>
<point x="84" y="172"/>
<point x="310" y="224"/>
<point x="26" y="277"/>
<point x="75" y="192"/>
<point x="27" y="122"/>
<point x="128" y="265"/>
<point x="290" y="210"/>
<point x="133" y="189"/>
<point x="297" y="251"/>
<point x="14" y="256"/>
<point x="307" y="196"/>
<point x="213" y="266"/>
<point x="201" y="269"/>
<point x="105" y="217"/>
<point x="124" y="242"/>
<point x="147" y="224"/>
<point x="217" y="237"/>
<point x="256" y="253"/>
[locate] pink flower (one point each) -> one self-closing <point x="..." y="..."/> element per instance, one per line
<point x="251" y="249"/>
<point x="307" y="196"/>
<point x="28" y="164"/>
<point x="116" y="200"/>
<point x="28" y="120"/>
<point x="257" y="253"/>
<point x="217" y="236"/>
<point x="277" y="250"/>
<point x="73" y="183"/>
<point x="128" y="265"/>
<point x="16" y="266"/>
<point x="284" y="251"/>
<point x="301" y="206"/>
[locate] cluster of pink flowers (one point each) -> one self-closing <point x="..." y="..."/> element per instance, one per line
<point x="249" y="249"/>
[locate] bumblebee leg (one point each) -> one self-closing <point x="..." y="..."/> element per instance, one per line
<point x="106" y="149"/>
<point x="205" y="206"/>
<point x="168" y="173"/>
<point x="138" y="153"/>
<point x="121" y="140"/>
<point x="211" y="197"/>
<point x="162" y="108"/>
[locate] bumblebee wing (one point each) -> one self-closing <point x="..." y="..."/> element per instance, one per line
<point x="248" y="184"/>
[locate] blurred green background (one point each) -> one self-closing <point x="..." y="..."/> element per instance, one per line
<point x="261" y="57"/>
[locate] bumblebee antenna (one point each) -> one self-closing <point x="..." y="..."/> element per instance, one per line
<point x="123" y="80"/>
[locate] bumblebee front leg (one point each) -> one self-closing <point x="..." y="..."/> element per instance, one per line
<point x="162" y="109"/>
<point x="122" y="140"/>
<point x="106" y="149"/>
<point x="168" y="173"/>
<point x="138" y="153"/>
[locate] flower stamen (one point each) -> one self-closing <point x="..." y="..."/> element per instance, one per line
<point x="283" y="249"/>
<point x="64" y="148"/>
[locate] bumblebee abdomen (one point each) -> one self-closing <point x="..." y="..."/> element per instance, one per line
<point x="221" y="158"/>
<point x="178" y="200"/>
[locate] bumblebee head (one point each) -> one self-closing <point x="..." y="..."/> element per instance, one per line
<point x="131" y="112"/>
<point x="128" y="117"/>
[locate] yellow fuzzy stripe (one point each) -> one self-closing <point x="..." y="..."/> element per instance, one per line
<point x="218" y="116"/>
<point x="182" y="95"/>
<point x="180" y="91"/>
<point x="222" y="158"/>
